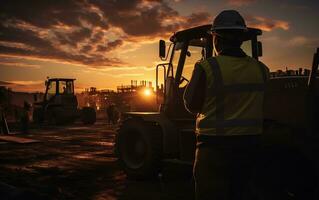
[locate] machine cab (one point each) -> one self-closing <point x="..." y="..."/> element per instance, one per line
<point x="60" y="91"/>
<point x="188" y="47"/>
<point x="56" y="87"/>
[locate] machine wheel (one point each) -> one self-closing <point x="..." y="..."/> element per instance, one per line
<point x="139" y="148"/>
<point x="88" y="115"/>
<point x="37" y="115"/>
<point x="55" y="116"/>
<point x="284" y="173"/>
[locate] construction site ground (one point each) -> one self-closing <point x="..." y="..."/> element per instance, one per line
<point x="77" y="162"/>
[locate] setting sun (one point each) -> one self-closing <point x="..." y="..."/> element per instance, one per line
<point x="147" y="92"/>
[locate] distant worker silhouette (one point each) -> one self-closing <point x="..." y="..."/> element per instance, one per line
<point x="24" y="119"/>
<point x="226" y="92"/>
<point x="111" y="114"/>
<point x="64" y="90"/>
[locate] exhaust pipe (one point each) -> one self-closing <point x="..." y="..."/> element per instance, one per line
<point x="314" y="69"/>
<point x="312" y="109"/>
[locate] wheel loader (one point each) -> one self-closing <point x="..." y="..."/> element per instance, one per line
<point x="287" y="165"/>
<point x="59" y="105"/>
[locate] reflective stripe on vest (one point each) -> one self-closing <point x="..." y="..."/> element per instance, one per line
<point x="219" y="91"/>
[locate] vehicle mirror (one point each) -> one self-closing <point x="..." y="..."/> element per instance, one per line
<point x="162" y="49"/>
<point x="259" y="49"/>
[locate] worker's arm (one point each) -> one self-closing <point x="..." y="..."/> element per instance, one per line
<point x="195" y="91"/>
<point x="266" y="71"/>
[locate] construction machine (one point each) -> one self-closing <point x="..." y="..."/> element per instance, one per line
<point x="60" y="105"/>
<point x="145" y="140"/>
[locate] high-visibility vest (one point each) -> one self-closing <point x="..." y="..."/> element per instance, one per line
<point x="233" y="103"/>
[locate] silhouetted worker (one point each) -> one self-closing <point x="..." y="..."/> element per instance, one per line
<point x="3" y="104"/>
<point x="110" y="110"/>
<point x="16" y="115"/>
<point x="227" y="92"/>
<point x="24" y="120"/>
<point x="64" y="90"/>
<point x="4" y="129"/>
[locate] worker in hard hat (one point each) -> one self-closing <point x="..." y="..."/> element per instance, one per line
<point x="226" y="91"/>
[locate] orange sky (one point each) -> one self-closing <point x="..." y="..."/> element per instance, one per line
<point x="108" y="43"/>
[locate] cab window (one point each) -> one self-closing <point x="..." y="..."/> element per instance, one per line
<point x="65" y="87"/>
<point x="194" y="54"/>
<point x="51" y="90"/>
<point x="177" y="54"/>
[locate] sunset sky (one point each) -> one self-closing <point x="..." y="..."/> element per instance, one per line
<point x="106" y="43"/>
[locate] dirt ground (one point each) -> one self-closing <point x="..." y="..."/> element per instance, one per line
<point x="77" y="162"/>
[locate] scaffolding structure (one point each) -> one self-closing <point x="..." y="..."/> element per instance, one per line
<point x="134" y="86"/>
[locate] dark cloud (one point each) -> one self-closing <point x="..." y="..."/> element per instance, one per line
<point x="45" y="49"/>
<point x="109" y="46"/>
<point x="198" y="18"/>
<point x="97" y="37"/>
<point x="266" y="24"/>
<point x="47" y="13"/>
<point x="80" y="34"/>
<point x="114" y="44"/>
<point x="132" y="19"/>
<point x="8" y="62"/>
<point x="4" y="83"/>
<point x="101" y="48"/>
<point x="146" y="18"/>
<point x="25" y="85"/>
<point x="28" y="37"/>
<point x="86" y="48"/>
<point x="62" y="56"/>
<point x="240" y="2"/>
<point x="74" y="37"/>
<point x="77" y="31"/>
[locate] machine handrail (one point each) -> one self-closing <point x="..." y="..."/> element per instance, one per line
<point x="164" y="72"/>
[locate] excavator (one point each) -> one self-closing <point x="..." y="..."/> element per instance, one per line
<point x="288" y="162"/>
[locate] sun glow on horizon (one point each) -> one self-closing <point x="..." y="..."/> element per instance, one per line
<point x="147" y="92"/>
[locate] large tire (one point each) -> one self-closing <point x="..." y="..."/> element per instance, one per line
<point x="88" y="115"/>
<point x="37" y="116"/>
<point x="284" y="173"/>
<point x="56" y="117"/>
<point x="139" y="149"/>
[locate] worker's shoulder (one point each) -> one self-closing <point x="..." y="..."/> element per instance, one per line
<point x="201" y="64"/>
<point x="255" y="61"/>
<point x="202" y="61"/>
<point x="205" y="62"/>
<point x="265" y="70"/>
<point x="263" y="64"/>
